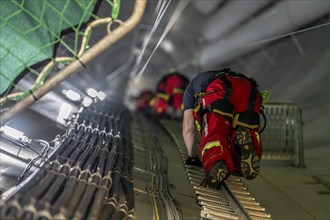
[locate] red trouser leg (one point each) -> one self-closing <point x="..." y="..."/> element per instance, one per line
<point x="215" y="143"/>
<point x="240" y="98"/>
<point x="215" y="128"/>
<point x="177" y="101"/>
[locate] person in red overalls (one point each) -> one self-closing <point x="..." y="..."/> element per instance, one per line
<point x="225" y="107"/>
<point x="143" y="101"/>
<point x="169" y="94"/>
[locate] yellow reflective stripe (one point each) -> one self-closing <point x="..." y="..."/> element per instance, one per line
<point x="198" y="125"/>
<point x="196" y="109"/>
<point x="258" y="137"/>
<point x="177" y="91"/>
<point x="210" y="145"/>
<point x="163" y="96"/>
<point x="152" y="102"/>
<point x="222" y="113"/>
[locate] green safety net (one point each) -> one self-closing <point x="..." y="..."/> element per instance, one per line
<point x="30" y="31"/>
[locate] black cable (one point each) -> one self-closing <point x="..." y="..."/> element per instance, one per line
<point x="265" y="120"/>
<point x="18" y="143"/>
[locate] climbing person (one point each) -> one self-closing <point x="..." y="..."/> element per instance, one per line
<point x="169" y="95"/>
<point x="143" y="101"/>
<point x="225" y="107"/>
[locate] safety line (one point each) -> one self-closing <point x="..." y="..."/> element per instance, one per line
<point x="160" y="15"/>
<point x="288" y="34"/>
<point x="176" y="14"/>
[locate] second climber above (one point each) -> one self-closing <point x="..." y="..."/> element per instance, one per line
<point x="169" y="95"/>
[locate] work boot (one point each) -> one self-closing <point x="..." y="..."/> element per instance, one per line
<point x="250" y="163"/>
<point x="194" y="161"/>
<point x="215" y="177"/>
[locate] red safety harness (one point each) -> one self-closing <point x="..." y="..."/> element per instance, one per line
<point x="223" y="106"/>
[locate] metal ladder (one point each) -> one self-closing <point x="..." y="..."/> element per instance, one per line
<point x="232" y="201"/>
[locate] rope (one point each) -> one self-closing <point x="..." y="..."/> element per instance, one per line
<point x="160" y="15"/>
<point x="50" y="65"/>
<point x="176" y="14"/>
<point x="74" y="66"/>
<point x="289" y="34"/>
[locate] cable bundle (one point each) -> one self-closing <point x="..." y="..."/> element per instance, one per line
<point x="88" y="176"/>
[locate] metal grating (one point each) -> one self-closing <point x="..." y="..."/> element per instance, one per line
<point x="283" y="138"/>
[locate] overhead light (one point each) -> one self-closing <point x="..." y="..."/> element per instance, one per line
<point x="101" y="95"/>
<point x="91" y="92"/>
<point x="136" y="50"/>
<point x="167" y="46"/>
<point x="64" y="113"/>
<point x="12" y="132"/>
<point x="74" y="96"/>
<point x="87" y="101"/>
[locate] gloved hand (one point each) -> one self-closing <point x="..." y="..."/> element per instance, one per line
<point x="194" y="161"/>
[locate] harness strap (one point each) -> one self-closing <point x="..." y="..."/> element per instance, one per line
<point x="246" y="119"/>
<point x="198" y="111"/>
<point x="163" y="96"/>
<point x="253" y="98"/>
<point x="223" y="106"/>
<point x="178" y="91"/>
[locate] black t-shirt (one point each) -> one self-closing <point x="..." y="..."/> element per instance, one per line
<point x="196" y="85"/>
